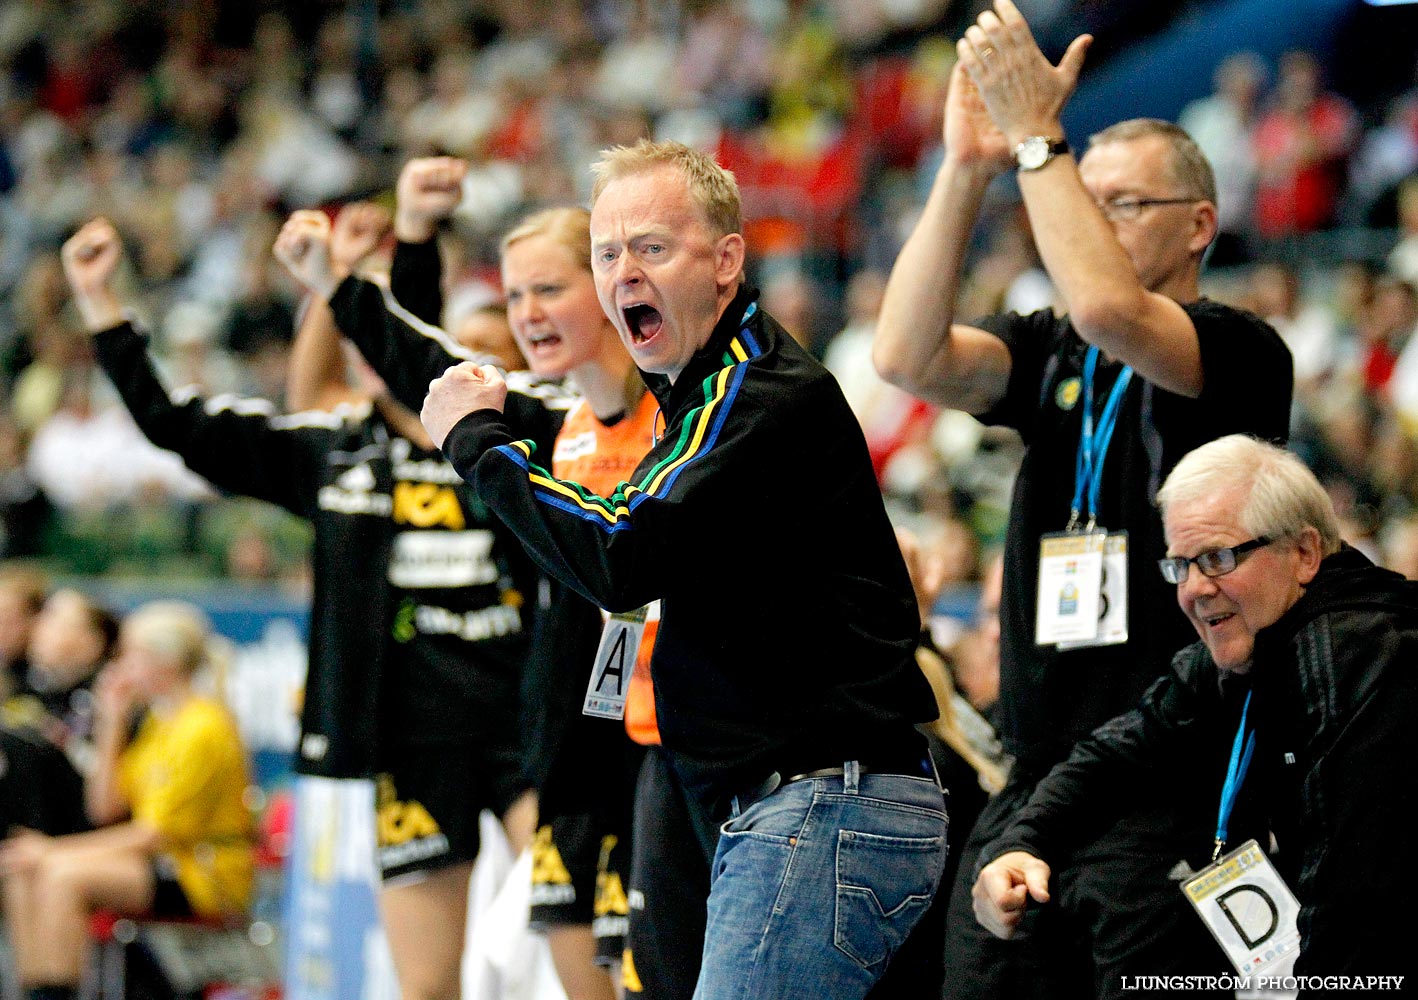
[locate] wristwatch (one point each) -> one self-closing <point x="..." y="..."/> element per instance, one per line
<point x="1037" y="150"/>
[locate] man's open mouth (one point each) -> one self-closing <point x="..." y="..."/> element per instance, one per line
<point x="1213" y="620"/>
<point x="642" y="321"/>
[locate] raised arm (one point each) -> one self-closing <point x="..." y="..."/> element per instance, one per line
<point x="317" y="378"/>
<point x="240" y="445"/>
<point x="405" y="351"/>
<point x="428" y="191"/>
<point x="1131" y="316"/>
<point x="918" y="345"/>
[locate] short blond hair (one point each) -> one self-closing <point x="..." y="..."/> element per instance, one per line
<point x="568" y="225"/>
<point x="713" y="188"/>
<point x="1284" y="496"/>
<point x="175" y="630"/>
<point x="1190" y="169"/>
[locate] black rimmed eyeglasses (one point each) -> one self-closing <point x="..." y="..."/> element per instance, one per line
<point x="1128" y="209"/>
<point x="1216" y="562"/>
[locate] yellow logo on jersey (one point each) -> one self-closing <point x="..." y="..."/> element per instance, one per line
<point x="629" y="978"/>
<point x="547" y="866"/>
<point x="610" y="892"/>
<point x="428" y="505"/>
<point x="1066" y="395"/>
<point x="400" y="822"/>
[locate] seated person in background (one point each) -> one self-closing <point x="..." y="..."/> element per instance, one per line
<point x="1306" y="647"/>
<point x="22" y="594"/>
<point x="72" y="638"/>
<point x="180" y="839"/>
<point x="46" y="723"/>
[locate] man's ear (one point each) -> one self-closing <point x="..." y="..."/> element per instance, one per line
<point x="1204" y="226"/>
<point x="1311" y="552"/>
<point x="729" y="255"/>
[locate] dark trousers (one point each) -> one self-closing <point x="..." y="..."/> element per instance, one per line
<point x="672" y="849"/>
<point x="1115" y="911"/>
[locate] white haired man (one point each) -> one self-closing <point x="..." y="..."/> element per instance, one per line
<point x="1307" y="654"/>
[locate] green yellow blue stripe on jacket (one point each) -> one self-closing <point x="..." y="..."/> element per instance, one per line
<point x="698" y="433"/>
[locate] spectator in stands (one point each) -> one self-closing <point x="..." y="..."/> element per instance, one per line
<point x="1302" y="146"/>
<point x="975" y="655"/>
<point x="25" y="510"/>
<point x="175" y="835"/>
<point x="1403" y="258"/>
<point x="1221" y="124"/>
<point x="72" y="638"/>
<point x="1307" y="328"/>
<point x="22" y="594"/>
<point x="1386" y="329"/>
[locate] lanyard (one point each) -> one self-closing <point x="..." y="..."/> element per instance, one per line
<point x="1088" y="467"/>
<point x="1235" y="774"/>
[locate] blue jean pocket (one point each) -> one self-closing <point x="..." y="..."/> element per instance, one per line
<point x="884" y="885"/>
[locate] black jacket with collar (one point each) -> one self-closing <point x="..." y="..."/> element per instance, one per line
<point x="788" y="622"/>
<point x="1334" y="687"/>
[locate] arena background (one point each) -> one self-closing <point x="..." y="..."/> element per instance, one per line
<point x="197" y="126"/>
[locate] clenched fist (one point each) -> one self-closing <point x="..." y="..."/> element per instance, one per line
<point x="456" y="393"/>
<point x="91" y="257"/>
<point x="303" y="246"/>
<point x="428" y="191"/>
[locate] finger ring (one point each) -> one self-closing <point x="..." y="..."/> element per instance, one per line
<point x="986" y="52"/>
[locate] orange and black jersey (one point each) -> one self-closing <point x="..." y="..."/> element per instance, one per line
<point x="788" y="623"/>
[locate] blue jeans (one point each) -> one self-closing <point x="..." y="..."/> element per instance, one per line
<point x="815" y="886"/>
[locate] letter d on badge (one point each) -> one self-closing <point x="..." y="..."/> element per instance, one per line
<point x="615" y="662"/>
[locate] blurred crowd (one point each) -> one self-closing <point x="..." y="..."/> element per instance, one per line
<point x="197" y="127"/>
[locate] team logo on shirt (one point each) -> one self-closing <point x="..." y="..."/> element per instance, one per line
<point x="610" y="909"/>
<point x="574" y="446"/>
<point x="1066" y="395"/>
<point x="407" y="832"/>
<point x="427" y="505"/>
<point x="551" y="882"/>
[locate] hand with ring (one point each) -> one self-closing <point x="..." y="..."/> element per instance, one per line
<point x="1024" y="92"/>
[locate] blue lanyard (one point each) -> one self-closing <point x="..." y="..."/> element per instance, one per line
<point x="1093" y="444"/>
<point x="1235" y="774"/>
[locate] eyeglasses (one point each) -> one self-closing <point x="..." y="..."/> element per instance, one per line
<point x="1128" y="209"/>
<point x="1217" y="562"/>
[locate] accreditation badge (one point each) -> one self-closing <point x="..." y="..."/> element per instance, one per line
<point x="615" y="662"/>
<point x="1070" y="585"/>
<point x="1112" y="596"/>
<point x="1249" y="910"/>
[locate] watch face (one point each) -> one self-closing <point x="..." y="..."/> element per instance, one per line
<point x="1032" y="153"/>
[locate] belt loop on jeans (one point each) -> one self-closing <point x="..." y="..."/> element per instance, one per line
<point x="738" y="804"/>
<point x="851" y="775"/>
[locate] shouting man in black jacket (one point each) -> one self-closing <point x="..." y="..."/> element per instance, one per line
<point x="785" y="681"/>
<point x="1304" y="678"/>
